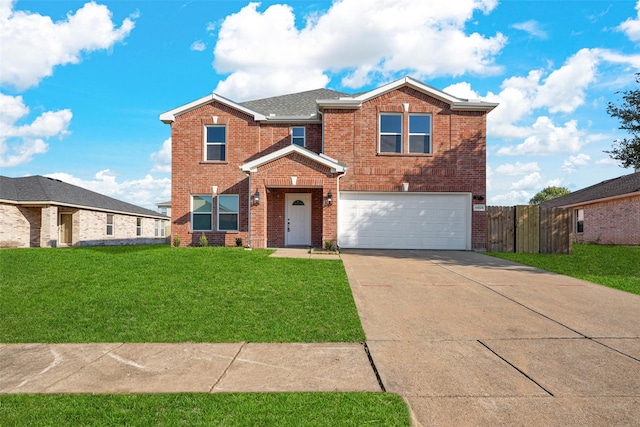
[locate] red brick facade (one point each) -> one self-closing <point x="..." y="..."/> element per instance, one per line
<point x="611" y="222"/>
<point x="457" y="164"/>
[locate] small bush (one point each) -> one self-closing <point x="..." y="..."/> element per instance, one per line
<point x="239" y="242"/>
<point x="176" y="241"/>
<point x="203" y="241"/>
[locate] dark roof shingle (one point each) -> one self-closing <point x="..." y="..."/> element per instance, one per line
<point x="302" y="104"/>
<point x="611" y="188"/>
<point x="34" y="189"/>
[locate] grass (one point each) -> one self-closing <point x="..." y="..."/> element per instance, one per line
<point x="165" y="294"/>
<point x="614" y="266"/>
<point x="238" y="409"/>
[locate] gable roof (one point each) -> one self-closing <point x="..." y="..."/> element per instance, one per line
<point x="305" y="106"/>
<point x="39" y="190"/>
<point x="327" y="161"/>
<point x="622" y="186"/>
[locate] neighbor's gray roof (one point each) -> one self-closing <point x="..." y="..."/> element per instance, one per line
<point x="620" y="186"/>
<point x="40" y="189"/>
<point x="292" y="105"/>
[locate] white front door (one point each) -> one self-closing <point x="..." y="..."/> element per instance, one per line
<point x="297" y="219"/>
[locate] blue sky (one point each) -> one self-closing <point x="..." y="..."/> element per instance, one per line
<point x="82" y="83"/>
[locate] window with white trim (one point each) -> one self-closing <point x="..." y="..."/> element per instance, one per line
<point x="298" y="136"/>
<point x="215" y="143"/>
<point x="228" y="212"/>
<point x="420" y="133"/>
<point x="110" y="225"/>
<point x="138" y="226"/>
<point x="390" y="133"/>
<point x="201" y="212"/>
<point x="159" y="228"/>
<point x="579" y="223"/>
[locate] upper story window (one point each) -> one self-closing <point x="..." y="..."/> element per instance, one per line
<point x="109" y="224"/>
<point x="391" y="133"/>
<point x="228" y="212"/>
<point x="579" y="224"/>
<point x="215" y="143"/>
<point x="201" y="213"/>
<point x="298" y="136"/>
<point x="419" y="133"/>
<point x="162" y="210"/>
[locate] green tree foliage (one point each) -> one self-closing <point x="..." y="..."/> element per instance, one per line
<point x="548" y="194"/>
<point x="627" y="151"/>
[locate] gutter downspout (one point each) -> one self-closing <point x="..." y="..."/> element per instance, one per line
<point x="248" y="212"/>
<point x="338" y="206"/>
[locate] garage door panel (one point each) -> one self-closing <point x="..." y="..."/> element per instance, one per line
<point x="405" y="221"/>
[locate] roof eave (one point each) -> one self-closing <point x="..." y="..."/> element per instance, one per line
<point x="603" y="199"/>
<point x="169" y="117"/>
<point x="36" y="203"/>
<point x="253" y="166"/>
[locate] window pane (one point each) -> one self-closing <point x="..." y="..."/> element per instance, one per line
<point x="228" y="222"/>
<point x="298" y="141"/>
<point x="390" y="123"/>
<point x="202" y="204"/>
<point x="297" y="131"/>
<point x="216" y="152"/>
<point x="228" y="203"/>
<point x="419" y="124"/>
<point x="202" y="222"/>
<point x="419" y="144"/>
<point x="216" y="134"/>
<point x="390" y="144"/>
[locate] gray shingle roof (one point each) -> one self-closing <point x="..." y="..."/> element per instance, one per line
<point x="34" y="189"/>
<point x="611" y="188"/>
<point x="292" y="105"/>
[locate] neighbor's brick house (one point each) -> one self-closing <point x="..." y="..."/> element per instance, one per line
<point x="401" y="166"/>
<point x="607" y="213"/>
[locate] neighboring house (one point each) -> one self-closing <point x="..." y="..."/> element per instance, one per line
<point x="36" y="211"/>
<point x="164" y="208"/>
<point x="401" y="166"/>
<point x="606" y="213"/>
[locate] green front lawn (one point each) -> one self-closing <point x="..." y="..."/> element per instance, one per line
<point x="614" y="266"/>
<point x="188" y="409"/>
<point x="165" y="294"/>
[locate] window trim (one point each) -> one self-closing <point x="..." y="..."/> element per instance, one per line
<point x="579" y="223"/>
<point x="380" y="133"/>
<point x="219" y="213"/>
<point x="193" y="213"/>
<point x="110" y="224"/>
<point x="209" y="143"/>
<point x="430" y="133"/>
<point x="138" y="226"/>
<point x="159" y="229"/>
<point x="303" y="137"/>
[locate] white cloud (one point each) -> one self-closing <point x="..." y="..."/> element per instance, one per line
<point x="162" y="159"/>
<point x="36" y="44"/>
<point x="145" y="192"/>
<point x="514" y="197"/>
<point x="517" y="168"/>
<point x="392" y="36"/>
<point x="531" y="27"/>
<point x="19" y="143"/>
<point x="631" y="27"/>
<point x="198" y="46"/>
<point x="530" y="181"/>
<point x="573" y="162"/>
<point x="547" y="138"/>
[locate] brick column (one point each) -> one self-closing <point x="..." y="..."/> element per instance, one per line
<point x="49" y="227"/>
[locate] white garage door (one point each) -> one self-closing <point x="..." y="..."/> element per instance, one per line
<point x="404" y="220"/>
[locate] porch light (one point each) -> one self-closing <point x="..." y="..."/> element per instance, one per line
<point x="329" y="198"/>
<point x="256" y="198"/>
<point x="478" y="197"/>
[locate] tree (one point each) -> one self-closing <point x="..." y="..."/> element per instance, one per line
<point x="548" y="194"/>
<point x="627" y="150"/>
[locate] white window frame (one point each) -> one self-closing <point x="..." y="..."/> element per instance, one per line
<point x="303" y="137"/>
<point x="430" y="134"/>
<point x="159" y="228"/>
<point x="381" y="133"/>
<point x="194" y="214"/>
<point x="219" y="212"/>
<point x="208" y="143"/>
<point x="110" y="224"/>
<point x="138" y="226"/>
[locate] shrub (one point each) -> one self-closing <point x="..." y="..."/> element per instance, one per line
<point x="176" y="240"/>
<point x="239" y="241"/>
<point x="203" y="241"/>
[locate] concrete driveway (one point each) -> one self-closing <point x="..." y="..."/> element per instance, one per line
<point x="468" y="339"/>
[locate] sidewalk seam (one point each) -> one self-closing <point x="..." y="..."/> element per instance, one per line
<point x="235" y="357"/>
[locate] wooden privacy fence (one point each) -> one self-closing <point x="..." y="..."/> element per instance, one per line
<point x="529" y="229"/>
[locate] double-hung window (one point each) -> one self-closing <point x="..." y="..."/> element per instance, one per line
<point x="201" y="213"/>
<point x="298" y="136"/>
<point x="420" y="133"/>
<point x="579" y="225"/>
<point x="215" y="143"/>
<point x="391" y="133"/>
<point x="228" y="212"/>
<point x="109" y="224"/>
<point x="138" y="226"/>
<point x="159" y="228"/>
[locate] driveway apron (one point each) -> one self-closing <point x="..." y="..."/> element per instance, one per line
<point x="469" y="339"/>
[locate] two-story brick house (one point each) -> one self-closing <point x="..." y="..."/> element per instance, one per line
<point x="401" y="166"/>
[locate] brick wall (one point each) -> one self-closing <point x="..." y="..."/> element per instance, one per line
<point x="614" y="222"/>
<point x="20" y="226"/>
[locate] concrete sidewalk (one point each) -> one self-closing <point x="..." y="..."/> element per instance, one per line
<point x="468" y="339"/>
<point x="172" y="368"/>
